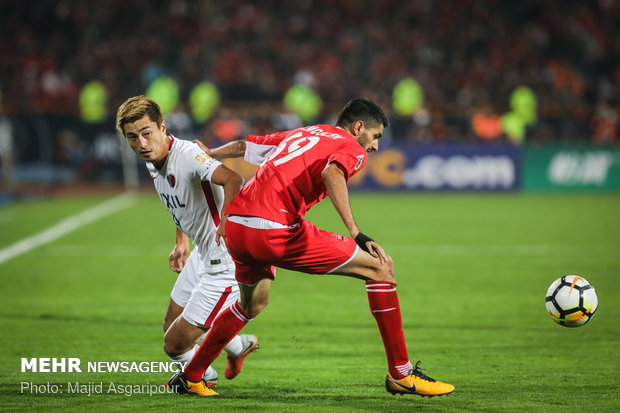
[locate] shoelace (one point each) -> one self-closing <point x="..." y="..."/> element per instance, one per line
<point x="417" y="371"/>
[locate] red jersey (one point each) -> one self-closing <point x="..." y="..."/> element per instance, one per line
<point x="288" y="182"/>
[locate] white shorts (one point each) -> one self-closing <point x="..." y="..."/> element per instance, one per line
<point x="203" y="294"/>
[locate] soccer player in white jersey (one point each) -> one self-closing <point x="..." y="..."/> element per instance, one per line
<point x="194" y="188"/>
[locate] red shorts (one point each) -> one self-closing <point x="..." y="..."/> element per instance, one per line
<point x="305" y="248"/>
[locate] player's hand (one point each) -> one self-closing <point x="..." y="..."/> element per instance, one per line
<point x="220" y="233"/>
<point x="178" y="257"/>
<point x="370" y="246"/>
<point x="376" y="251"/>
<point x="202" y="146"/>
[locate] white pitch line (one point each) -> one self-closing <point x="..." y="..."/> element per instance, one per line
<point x="68" y="225"/>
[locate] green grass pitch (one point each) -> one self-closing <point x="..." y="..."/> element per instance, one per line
<point x="472" y="273"/>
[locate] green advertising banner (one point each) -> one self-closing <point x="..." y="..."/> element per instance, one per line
<point x="571" y="167"/>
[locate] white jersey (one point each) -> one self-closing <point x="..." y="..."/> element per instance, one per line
<point x="194" y="202"/>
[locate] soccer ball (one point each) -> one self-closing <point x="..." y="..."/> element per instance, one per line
<point x="571" y="301"/>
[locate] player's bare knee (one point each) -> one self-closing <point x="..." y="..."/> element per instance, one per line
<point x="385" y="271"/>
<point x="177" y="343"/>
<point x="173" y="347"/>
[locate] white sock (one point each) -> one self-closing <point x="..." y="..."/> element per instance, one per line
<point x="185" y="357"/>
<point x="235" y="346"/>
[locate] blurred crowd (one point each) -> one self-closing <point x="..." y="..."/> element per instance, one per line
<point x="468" y="56"/>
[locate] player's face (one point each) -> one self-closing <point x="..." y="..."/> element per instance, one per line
<point x="147" y="140"/>
<point x="369" y="137"/>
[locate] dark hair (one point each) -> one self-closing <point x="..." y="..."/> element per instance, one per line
<point x="362" y="109"/>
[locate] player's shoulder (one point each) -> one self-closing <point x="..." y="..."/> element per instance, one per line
<point x="324" y="130"/>
<point x="183" y="146"/>
<point x="187" y="148"/>
<point x="191" y="155"/>
<point x="336" y="137"/>
<point x="330" y="133"/>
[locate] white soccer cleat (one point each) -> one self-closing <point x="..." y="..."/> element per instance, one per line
<point x="235" y="363"/>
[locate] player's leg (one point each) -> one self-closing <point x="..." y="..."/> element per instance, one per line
<point x="402" y="376"/>
<point x="309" y="249"/>
<point x="184" y="285"/>
<point x="213" y="304"/>
<point x="180" y="345"/>
<point x="180" y="342"/>
<point x="181" y="337"/>
<point x="364" y="266"/>
<point x="253" y="299"/>
<point x="214" y="290"/>
<point x="323" y="252"/>
<point x="243" y="344"/>
<point x="384" y="306"/>
<point x="172" y="313"/>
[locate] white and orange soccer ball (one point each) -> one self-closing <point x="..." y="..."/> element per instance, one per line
<point x="571" y="301"/>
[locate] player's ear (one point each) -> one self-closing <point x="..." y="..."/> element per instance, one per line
<point x="357" y="128"/>
<point x="163" y="127"/>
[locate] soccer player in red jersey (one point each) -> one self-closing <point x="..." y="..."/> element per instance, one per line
<point x="266" y="229"/>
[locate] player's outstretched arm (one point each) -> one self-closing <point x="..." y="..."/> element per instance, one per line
<point x="336" y="185"/>
<point x="234" y="149"/>
<point x="232" y="183"/>
<point x="178" y="256"/>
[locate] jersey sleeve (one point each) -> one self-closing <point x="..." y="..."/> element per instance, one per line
<point x="351" y="158"/>
<point x="258" y="148"/>
<point x="200" y="164"/>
